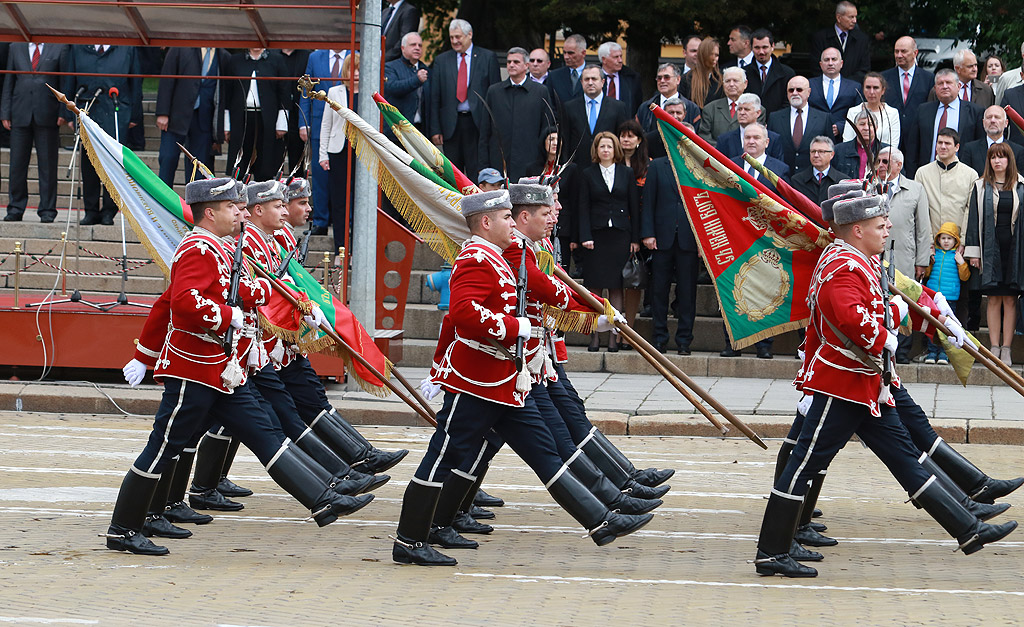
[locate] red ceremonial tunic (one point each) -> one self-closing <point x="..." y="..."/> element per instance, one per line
<point x="263" y="249"/>
<point x="195" y="305"/>
<point x="286" y="237"/>
<point x="483" y="308"/>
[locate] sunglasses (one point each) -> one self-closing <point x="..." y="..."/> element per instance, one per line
<point x="665" y="77"/>
<point x="536" y="60"/>
<point x="795" y="90"/>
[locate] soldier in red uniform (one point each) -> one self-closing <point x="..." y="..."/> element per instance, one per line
<point x="847" y="346"/>
<point x="482" y="392"/>
<point x="203" y="377"/>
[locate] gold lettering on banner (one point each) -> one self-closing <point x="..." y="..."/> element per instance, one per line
<point x="717" y="238"/>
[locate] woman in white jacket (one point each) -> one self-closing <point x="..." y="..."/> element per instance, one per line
<point x="887" y="119"/>
<point x="333" y="155"/>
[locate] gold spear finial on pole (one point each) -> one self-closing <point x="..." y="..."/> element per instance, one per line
<point x="60" y="96"/>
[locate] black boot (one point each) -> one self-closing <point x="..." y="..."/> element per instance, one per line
<point x="969" y="477"/>
<point x="483" y="499"/>
<point x="479" y="513"/>
<point x="375" y="460"/>
<point x="156" y="524"/>
<point x="226" y="486"/>
<point x="464" y="521"/>
<point x="971" y="533"/>
<point x="602" y="488"/>
<point x="125" y="531"/>
<point x="351" y="446"/>
<point x="776" y="538"/>
<point x="209" y="462"/>
<point x="342" y="479"/>
<point x="983" y="511"/>
<point x="807" y="511"/>
<point x="801" y="554"/>
<point x="309" y="483"/>
<point x="649" y="477"/>
<point x="782" y="458"/>
<point x="90" y="218"/>
<point x="806" y="535"/>
<point x="603" y="525"/>
<point x="411" y="546"/>
<point x="176" y="511"/>
<point x="454" y="491"/>
<point x="618" y="475"/>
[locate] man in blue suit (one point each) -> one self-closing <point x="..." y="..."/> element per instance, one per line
<point x="908" y="84"/>
<point x="748" y="108"/>
<point x="564" y="82"/>
<point x="406" y="83"/>
<point x="833" y="93"/>
<point x="322" y="64"/>
<point x="755" y="144"/>
<point x="947" y="112"/>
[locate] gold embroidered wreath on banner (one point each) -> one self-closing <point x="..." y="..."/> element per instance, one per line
<point x="757" y="278"/>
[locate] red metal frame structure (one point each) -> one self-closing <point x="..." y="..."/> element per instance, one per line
<point x="221" y="23"/>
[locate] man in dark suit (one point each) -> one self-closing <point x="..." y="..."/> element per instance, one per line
<point x="755" y="144"/>
<point x="719" y="116"/>
<point x="620" y="82"/>
<point x="850" y="41"/>
<point x="522" y="115"/>
<point x="740" y="47"/>
<point x="969" y="88"/>
<point x="814" y="181"/>
<point x="585" y="117"/>
<point x="295" y="62"/>
<point x="680" y="109"/>
<point x="257" y="113"/>
<point x="851" y="156"/>
<point x="186" y="108"/>
<point x="910" y="83"/>
<point x="975" y="153"/>
<point x="1014" y="97"/>
<point x="665" y="231"/>
<point x="565" y="81"/>
<point x="947" y="111"/>
<point x="798" y="124"/>
<point x="397" y="18"/>
<point x="104" y="59"/>
<point x="321" y="63"/>
<point x="833" y="93"/>
<point x="668" y="78"/>
<point x="33" y="116"/>
<point x="406" y="82"/>
<point x="748" y="111"/>
<point x="459" y="81"/>
<point x="766" y="76"/>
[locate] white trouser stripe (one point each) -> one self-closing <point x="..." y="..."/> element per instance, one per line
<point x="464" y="475"/>
<point x="167" y="429"/>
<point x="220" y="435"/>
<point x="479" y="458"/>
<point x="447" y="437"/>
<point x="814" y="440"/>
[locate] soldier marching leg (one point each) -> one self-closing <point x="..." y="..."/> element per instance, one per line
<point x="226" y="486"/>
<point x="971" y="533"/>
<point x="133" y="499"/>
<point x="343" y="478"/>
<point x="809" y="533"/>
<point x="618" y="475"/>
<point x="156" y="524"/>
<point x="453" y="493"/>
<point x="969" y="477"/>
<point x="983" y="511"/>
<point x="177" y="511"/>
<point x="209" y="463"/>
<point x="464" y="521"/>
<point x="411" y="546"/>
<point x="310" y="484"/>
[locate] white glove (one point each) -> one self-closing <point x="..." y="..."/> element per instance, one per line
<point x="524" y="328"/>
<point x="892" y="342"/>
<point x="956" y="333"/>
<point x="429" y="389"/>
<point x="134" y="372"/>
<point x="943" y="306"/>
<point x="315" y="318"/>
<point x="237" y="319"/>
<point x="804" y="404"/>
<point x="883" y="395"/>
<point x="901" y="307"/>
<point x="604" y="324"/>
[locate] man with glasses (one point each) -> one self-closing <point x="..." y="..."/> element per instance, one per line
<point x="539" y="63"/>
<point x="969" y="88"/>
<point x="815" y="180"/>
<point x="668" y="78"/>
<point x="798" y="125"/>
<point x="565" y="81"/>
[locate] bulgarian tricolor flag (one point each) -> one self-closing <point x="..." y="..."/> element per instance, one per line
<point x="161" y="219"/>
<point x="759" y="251"/>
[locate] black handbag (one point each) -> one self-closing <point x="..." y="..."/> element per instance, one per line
<point x="634" y="273"/>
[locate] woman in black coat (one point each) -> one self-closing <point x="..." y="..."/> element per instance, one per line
<point x="609" y="222"/>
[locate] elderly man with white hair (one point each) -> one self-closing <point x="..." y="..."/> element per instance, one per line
<point x="749" y="111"/>
<point x="620" y="82"/>
<point x="969" y="88"/>
<point x="719" y="116"/>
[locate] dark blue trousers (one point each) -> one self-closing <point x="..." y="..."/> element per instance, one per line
<point x="277" y="401"/>
<point x="307" y="391"/>
<point x="570" y="406"/>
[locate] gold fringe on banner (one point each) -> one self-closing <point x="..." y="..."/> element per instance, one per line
<point x="570" y="321"/>
<point x="376" y="389"/>
<point x="288" y="335"/>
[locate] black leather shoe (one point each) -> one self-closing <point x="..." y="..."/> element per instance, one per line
<point x="820" y="527"/>
<point x="157" y="525"/>
<point x="783" y="564"/>
<point x="327" y="511"/>
<point x="660" y="347"/>
<point x="379" y="461"/>
<point x="729" y="352"/>
<point x="642" y="491"/>
<point x="480" y="513"/>
<point x="984" y="533"/>
<point x="817" y="513"/>
<point x="47" y="219"/>
<point x="764" y="353"/>
<point x="593" y="349"/>
<point x="181" y="513"/>
<point x="984" y="511"/>
<point x="89" y="219"/>
<point x="232" y="490"/>
<point x="618" y="525"/>
<point x="448" y="538"/>
<point x="997" y="489"/>
<point x="683" y="350"/>
<point x="351" y="486"/>
<point x="419" y="553"/>
<point x="486" y="500"/>
<point x="122" y="539"/>
<point x="319" y="230"/>
<point x="651" y="477"/>
<point x="801" y="554"/>
<point x="903" y="359"/>
<point x="627" y="504"/>
<point x="809" y="537"/>
<point x="107" y="220"/>
<point x="214" y="500"/>
<point x="464" y="523"/>
<point x="12" y="218"/>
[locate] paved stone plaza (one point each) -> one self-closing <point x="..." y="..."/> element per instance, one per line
<point x="265" y="566"/>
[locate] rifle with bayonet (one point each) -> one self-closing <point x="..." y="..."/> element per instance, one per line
<point x="886" y="280"/>
<point x="521" y="305"/>
<point x="233" y="300"/>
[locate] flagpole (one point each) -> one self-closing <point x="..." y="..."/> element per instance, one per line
<point x="651" y="353"/>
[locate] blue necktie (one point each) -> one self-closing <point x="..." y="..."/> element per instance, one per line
<point x="831" y="97"/>
<point x="207" y="62"/>
<point x="592" y="118"/>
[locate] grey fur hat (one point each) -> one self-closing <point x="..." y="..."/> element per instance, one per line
<point x="843" y="186"/>
<point x="530" y="194"/>
<point x="210" y="190"/>
<point x="240" y="190"/>
<point x="264" y="191"/>
<point x="853" y="210"/>
<point x="485" y="201"/>
<point x="535" y="180"/>
<point x="826" y="206"/>
<point x="298" y="188"/>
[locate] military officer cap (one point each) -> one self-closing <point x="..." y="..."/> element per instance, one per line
<point x="210" y="190"/>
<point x="536" y="180"/>
<point x="853" y="210"/>
<point x="298" y="188"/>
<point x="263" y="192"/>
<point x="528" y="194"/>
<point x="826" y="206"/>
<point x="485" y="201"/>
